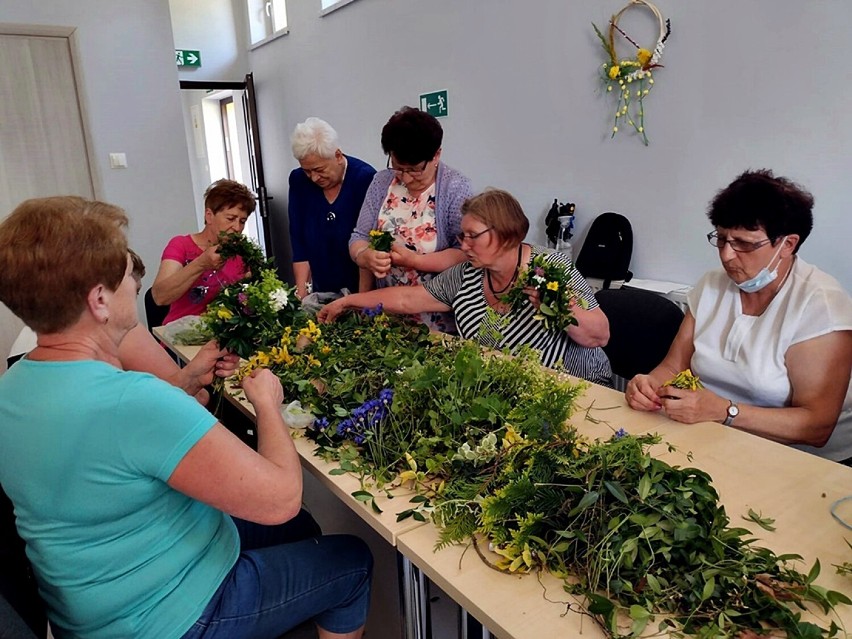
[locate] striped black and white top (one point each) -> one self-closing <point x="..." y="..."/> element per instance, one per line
<point x="462" y="288"/>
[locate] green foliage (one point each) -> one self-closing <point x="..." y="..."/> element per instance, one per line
<point x="482" y="439"/>
<point x="555" y="292"/>
<point x="237" y="244"/>
<point x="251" y="315"/>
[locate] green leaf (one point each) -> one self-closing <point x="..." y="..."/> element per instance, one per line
<point x="644" y="487"/>
<point x="616" y="491"/>
<point x="588" y="499"/>
<point x="763" y="522"/>
<point x="600" y="605"/>
<point x="814" y="573"/>
<point x="418" y="499"/>
<point x="376" y="508"/>
<point x="709" y="586"/>
<point x="405" y="514"/>
<point x="337" y="471"/>
<point x="638" y="612"/>
<point x="835" y="598"/>
<point x="362" y="495"/>
<point x="653" y="583"/>
<point x="544" y="309"/>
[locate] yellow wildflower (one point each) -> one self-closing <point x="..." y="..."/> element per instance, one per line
<point x="553" y="286"/>
<point x="224" y="313"/>
<point x="614" y="70"/>
<point x="511" y="437"/>
<point x="644" y="56"/>
<point x="375" y="233"/>
<point x="325" y="350"/>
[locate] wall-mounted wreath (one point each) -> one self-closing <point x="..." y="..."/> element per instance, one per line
<point x="631" y="78"/>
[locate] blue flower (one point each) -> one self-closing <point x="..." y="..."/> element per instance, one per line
<point x="620" y="433"/>
<point x="321" y="423"/>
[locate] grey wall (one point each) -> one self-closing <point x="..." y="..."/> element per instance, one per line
<point x="746" y="83"/>
<point x="129" y="87"/>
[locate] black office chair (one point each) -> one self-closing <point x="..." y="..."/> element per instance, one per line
<point x="642" y="327"/>
<point x="154" y="313"/>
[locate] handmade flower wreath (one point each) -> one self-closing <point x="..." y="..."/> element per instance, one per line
<point x="631" y="78"/>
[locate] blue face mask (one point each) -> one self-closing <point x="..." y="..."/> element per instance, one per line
<point x="765" y="277"/>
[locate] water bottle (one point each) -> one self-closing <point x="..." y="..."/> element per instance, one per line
<point x="563" y="239"/>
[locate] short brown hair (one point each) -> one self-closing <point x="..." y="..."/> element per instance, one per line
<point x="53" y="252"/>
<point x="138" y="265"/>
<point x="500" y="211"/>
<point x="223" y="194"/>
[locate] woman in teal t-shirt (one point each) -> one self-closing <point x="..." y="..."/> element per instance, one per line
<point x="143" y="516"/>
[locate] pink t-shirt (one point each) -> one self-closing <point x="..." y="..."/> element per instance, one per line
<point x="183" y="249"/>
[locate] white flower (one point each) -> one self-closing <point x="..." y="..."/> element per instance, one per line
<point x="278" y="299"/>
<point x="538" y="279"/>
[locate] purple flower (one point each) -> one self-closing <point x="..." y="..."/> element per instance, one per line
<point x="321" y="423"/>
<point x="620" y="433"/>
<point x="539" y="271"/>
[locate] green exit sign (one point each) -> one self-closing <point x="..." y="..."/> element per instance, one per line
<point x="187" y="58"/>
<point x="435" y="103"/>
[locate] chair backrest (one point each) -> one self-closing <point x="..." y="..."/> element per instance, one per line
<point x="642" y="327"/>
<point x="154" y="313"/>
<point x="607" y="249"/>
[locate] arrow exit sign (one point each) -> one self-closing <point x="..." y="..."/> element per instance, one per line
<point x="187" y="58"/>
<point x="435" y="103"/>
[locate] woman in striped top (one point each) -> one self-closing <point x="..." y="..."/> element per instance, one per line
<point x="493" y="228"/>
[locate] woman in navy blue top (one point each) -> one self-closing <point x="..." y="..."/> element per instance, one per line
<point x="326" y="193"/>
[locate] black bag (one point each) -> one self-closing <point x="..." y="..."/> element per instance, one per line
<point x="607" y="250"/>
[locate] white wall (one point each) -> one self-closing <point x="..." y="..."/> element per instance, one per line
<point x="217" y="29"/>
<point x="746" y="84"/>
<point x="129" y="88"/>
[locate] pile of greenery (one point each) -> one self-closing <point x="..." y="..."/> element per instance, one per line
<point x="483" y="440"/>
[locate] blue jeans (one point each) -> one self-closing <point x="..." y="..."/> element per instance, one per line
<point x="278" y="583"/>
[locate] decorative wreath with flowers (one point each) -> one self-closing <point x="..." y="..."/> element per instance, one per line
<point x="631" y="78"/>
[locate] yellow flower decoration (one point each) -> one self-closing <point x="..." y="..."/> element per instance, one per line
<point x="643" y="56"/>
<point x="224" y="313"/>
<point x="614" y="70"/>
<point x="553" y="286"/>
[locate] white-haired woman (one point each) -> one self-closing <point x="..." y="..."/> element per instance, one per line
<point x="326" y="194"/>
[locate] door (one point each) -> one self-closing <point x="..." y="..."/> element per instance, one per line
<point x="42" y="137"/>
<point x="219" y="150"/>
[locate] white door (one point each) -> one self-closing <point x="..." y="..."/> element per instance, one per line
<point x="42" y="142"/>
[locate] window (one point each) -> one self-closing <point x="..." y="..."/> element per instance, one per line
<point x="267" y="20"/>
<point x="332" y="5"/>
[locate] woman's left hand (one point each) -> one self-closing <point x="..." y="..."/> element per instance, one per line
<point x="328" y="313"/>
<point x="532" y="293"/>
<point x="403" y="256"/>
<point x="690" y="407"/>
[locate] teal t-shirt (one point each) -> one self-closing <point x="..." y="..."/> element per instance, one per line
<point x="85" y="453"/>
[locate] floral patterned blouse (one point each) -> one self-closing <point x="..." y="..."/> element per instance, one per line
<point x="412" y="222"/>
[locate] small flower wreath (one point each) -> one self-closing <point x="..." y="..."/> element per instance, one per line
<point x="631" y="77"/>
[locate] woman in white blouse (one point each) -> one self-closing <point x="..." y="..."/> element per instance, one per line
<point x="769" y="335"/>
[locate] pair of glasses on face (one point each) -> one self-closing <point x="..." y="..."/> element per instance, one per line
<point x="470" y="237"/>
<point x="740" y="246"/>
<point x="411" y="171"/>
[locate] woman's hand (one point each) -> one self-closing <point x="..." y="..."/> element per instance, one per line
<point x="210" y="260"/>
<point x="263" y="389"/>
<point x="532" y="293"/>
<point x="692" y="406"/>
<point x="403" y="256"/>
<point x="377" y="262"/>
<point x="330" y="312"/>
<point x="641" y="394"/>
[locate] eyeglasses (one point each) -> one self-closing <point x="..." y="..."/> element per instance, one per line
<point x="415" y="173"/>
<point x="740" y="246"/>
<point x="470" y="237"/>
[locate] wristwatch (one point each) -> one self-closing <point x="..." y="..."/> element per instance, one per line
<point x="733" y="411"/>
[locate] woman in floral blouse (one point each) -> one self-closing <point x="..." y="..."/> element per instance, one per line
<point x="418" y="199"/>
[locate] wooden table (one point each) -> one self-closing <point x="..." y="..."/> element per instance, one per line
<point x="794" y="488"/>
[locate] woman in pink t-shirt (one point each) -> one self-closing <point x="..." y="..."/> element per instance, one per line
<point x="191" y="271"/>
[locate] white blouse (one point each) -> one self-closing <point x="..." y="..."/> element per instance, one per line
<point x="742" y="357"/>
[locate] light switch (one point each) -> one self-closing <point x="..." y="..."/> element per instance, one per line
<point x="117" y="160"/>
